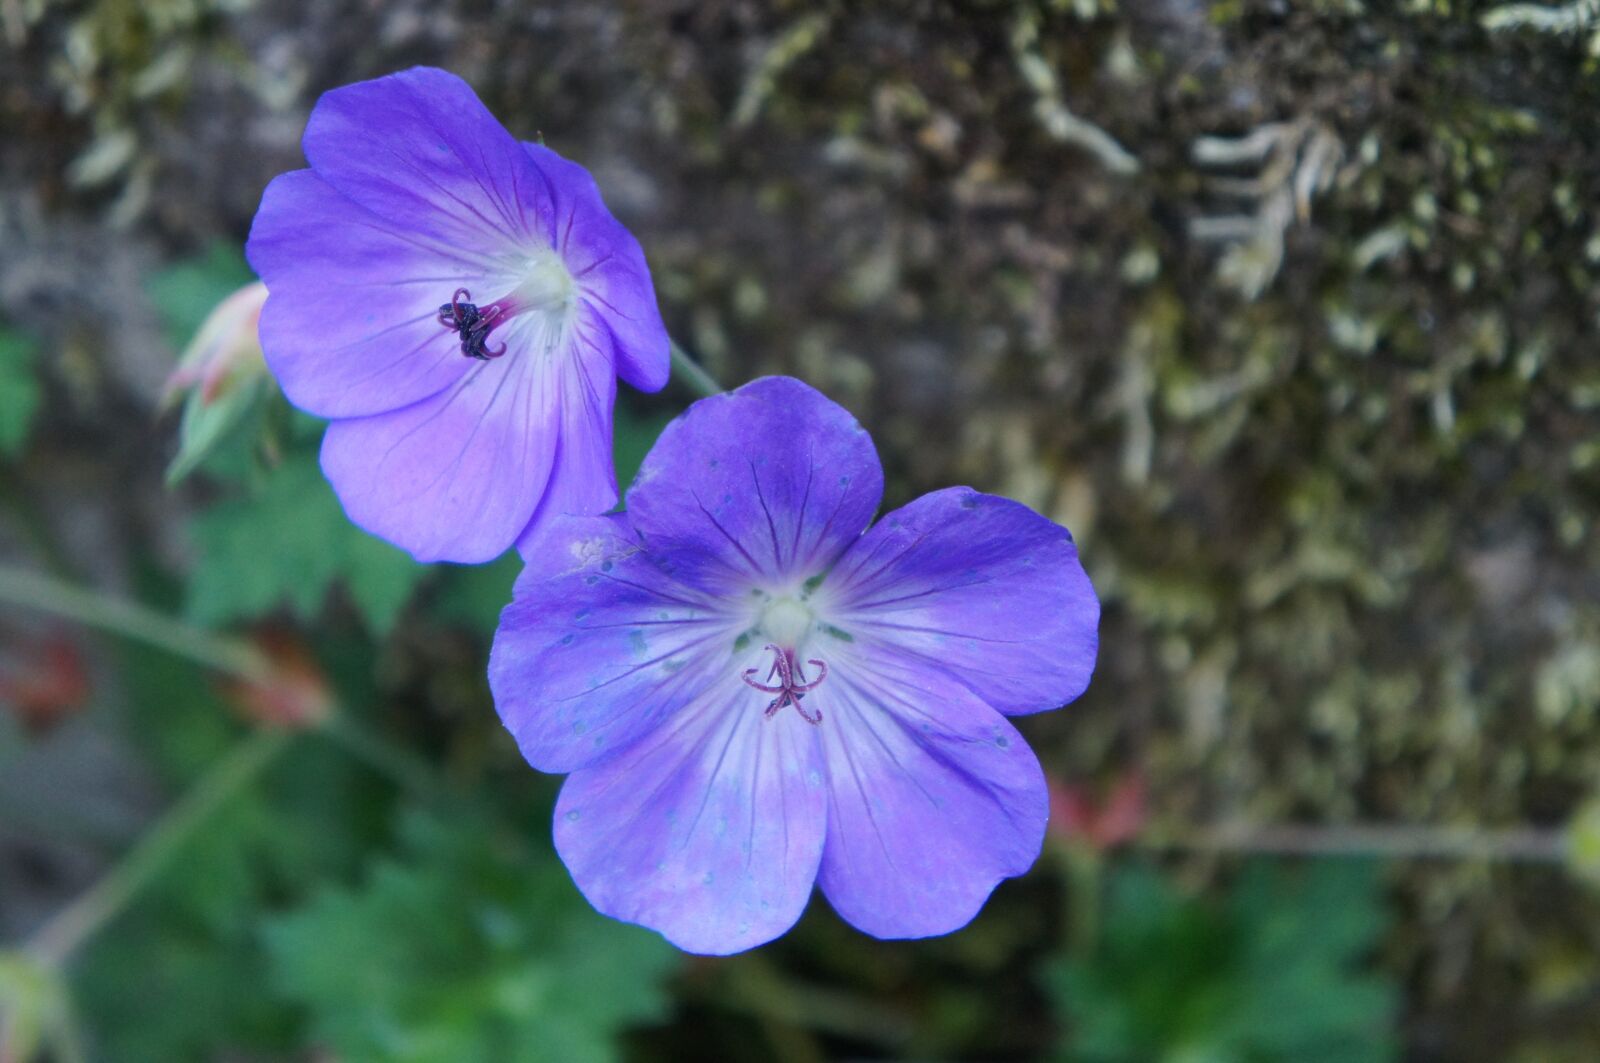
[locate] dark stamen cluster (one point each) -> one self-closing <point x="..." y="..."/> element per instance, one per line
<point x="473" y="324"/>
<point x="792" y="685"/>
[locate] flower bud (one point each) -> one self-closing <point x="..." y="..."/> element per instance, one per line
<point x="220" y="377"/>
<point x="291" y="692"/>
<point x="226" y="351"/>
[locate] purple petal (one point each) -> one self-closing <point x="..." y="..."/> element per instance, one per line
<point x="981" y="586"/>
<point x="583" y="477"/>
<point x="599" y="645"/>
<point x="350" y="326"/>
<point x="419" y="149"/>
<point x="455" y="477"/>
<point x="768" y="483"/>
<point x="933" y="798"/>
<point x="575" y="544"/>
<point x="619" y="308"/>
<point x="708" y="830"/>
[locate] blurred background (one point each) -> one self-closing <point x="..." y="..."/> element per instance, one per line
<point x="1287" y="309"/>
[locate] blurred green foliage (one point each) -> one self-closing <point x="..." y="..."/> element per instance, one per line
<point x="182" y="974"/>
<point x="500" y="961"/>
<point x="19" y="390"/>
<point x="1279" y="971"/>
<point x="467" y="943"/>
<point x="287" y="543"/>
<point x="473" y="595"/>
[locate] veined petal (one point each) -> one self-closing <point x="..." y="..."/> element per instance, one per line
<point x="418" y="148"/>
<point x="980" y="586"/>
<point x="599" y="645"/>
<point x="933" y="798"/>
<point x="344" y="337"/>
<point x="570" y="545"/>
<point x="618" y="301"/>
<point x="457" y="476"/>
<point x="770" y="482"/>
<point x="708" y="830"/>
<point x="583" y="477"/>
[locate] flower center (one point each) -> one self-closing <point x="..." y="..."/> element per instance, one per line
<point x="546" y="289"/>
<point x="787" y="622"/>
<point x="791" y="685"/>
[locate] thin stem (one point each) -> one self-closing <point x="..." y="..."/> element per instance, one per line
<point x="1401" y="841"/>
<point x="58" y="939"/>
<point x="130" y="620"/>
<point x="693" y="375"/>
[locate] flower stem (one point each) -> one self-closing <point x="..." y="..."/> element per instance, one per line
<point x="692" y="375"/>
<point x="58" y="939"/>
<point x="130" y="620"/>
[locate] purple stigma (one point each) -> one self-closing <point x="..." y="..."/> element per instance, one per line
<point x="792" y="685"/>
<point x="473" y="324"/>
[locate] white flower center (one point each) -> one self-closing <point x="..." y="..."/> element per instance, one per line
<point x="536" y="313"/>
<point x="546" y="286"/>
<point x="545" y="299"/>
<point x="786" y="622"/>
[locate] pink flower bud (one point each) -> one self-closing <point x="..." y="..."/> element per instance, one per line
<point x="225" y="352"/>
<point x="291" y="693"/>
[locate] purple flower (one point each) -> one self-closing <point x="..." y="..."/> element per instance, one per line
<point x="753" y="691"/>
<point x="459" y="305"/>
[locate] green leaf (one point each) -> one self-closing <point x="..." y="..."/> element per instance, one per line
<point x="285" y="546"/>
<point x="19" y="391"/>
<point x="466" y="948"/>
<point x="1278" y="973"/>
